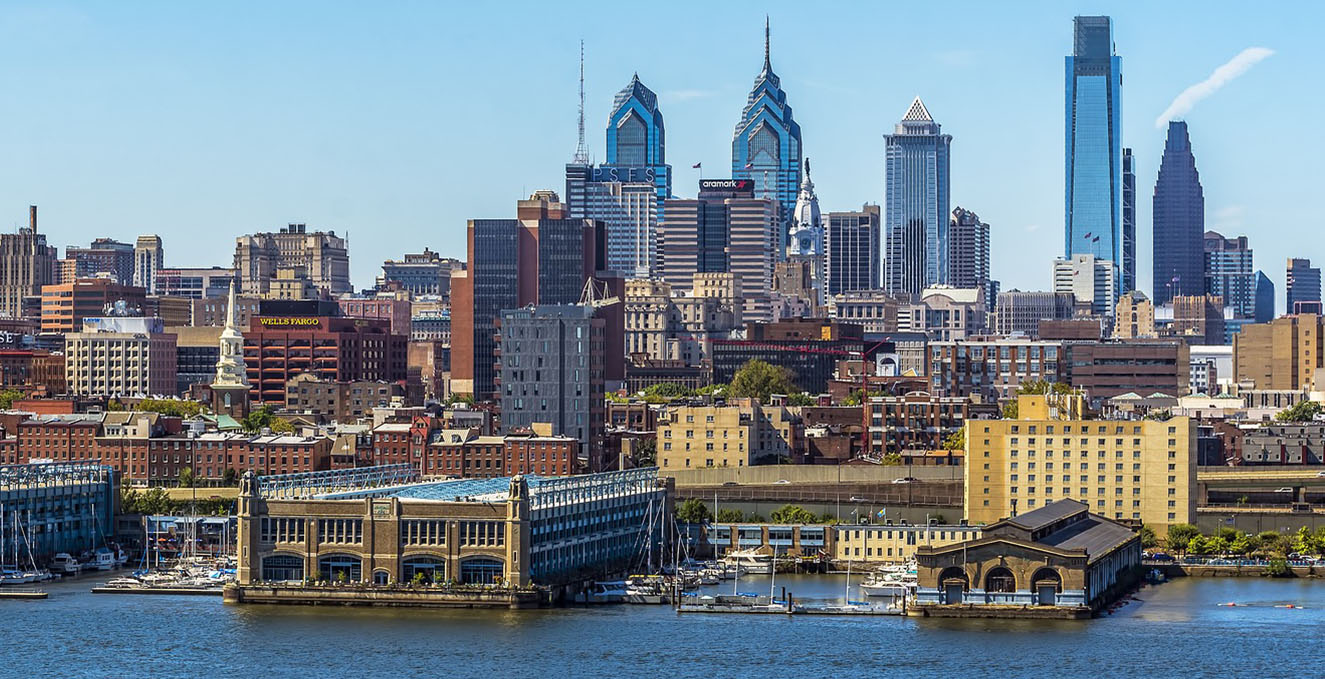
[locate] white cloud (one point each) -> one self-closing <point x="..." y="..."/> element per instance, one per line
<point x="1221" y="76"/>
<point x="1032" y="228"/>
<point x="685" y="95"/>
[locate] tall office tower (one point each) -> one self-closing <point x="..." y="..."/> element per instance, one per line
<point x="1303" y="283"/>
<point x="1228" y="273"/>
<point x="323" y="256"/>
<point x="1128" y="270"/>
<point x="543" y="256"/>
<point x="1093" y="148"/>
<point x="1179" y="221"/>
<point x="104" y="257"/>
<point x="552" y="360"/>
<point x="852" y="243"/>
<point x="916" y="210"/>
<point x="807" y="236"/>
<point x="148" y="258"/>
<point x="423" y="273"/>
<point x="766" y="148"/>
<point x="1090" y="279"/>
<point x="26" y="264"/>
<point x="968" y="252"/>
<point x="636" y="137"/>
<point x="1264" y="298"/>
<point x="725" y="230"/>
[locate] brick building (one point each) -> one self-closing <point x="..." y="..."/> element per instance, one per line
<point x="279" y="348"/>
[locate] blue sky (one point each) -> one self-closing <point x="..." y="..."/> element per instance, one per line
<point x="397" y="121"/>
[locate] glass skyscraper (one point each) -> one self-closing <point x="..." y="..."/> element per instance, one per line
<point x="1178" y="221"/>
<point x="916" y="210"/>
<point x="1128" y="272"/>
<point x="1093" y="148"/>
<point x="1229" y="273"/>
<point x="1264" y="298"/>
<point x="636" y="136"/>
<point x="766" y="147"/>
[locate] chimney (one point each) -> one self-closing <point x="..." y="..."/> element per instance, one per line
<point x="32" y="217"/>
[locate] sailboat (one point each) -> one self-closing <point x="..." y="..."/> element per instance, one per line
<point x="38" y="574"/>
<point x="10" y="573"/>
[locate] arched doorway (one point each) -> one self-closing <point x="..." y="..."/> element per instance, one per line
<point x="1000" y="580"/>
<point x="481" y="571"/>
<point x="381" y="577"/>
<point x="953" y="583"/>
<point x="282" y="568"/>
<point x="1047" y="585"/>
<point x="334" y="566"/>
<point x="425" y="570"/>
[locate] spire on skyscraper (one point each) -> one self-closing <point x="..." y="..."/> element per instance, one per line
<point x="768" y="66"/>
<point x="581" y="149"/>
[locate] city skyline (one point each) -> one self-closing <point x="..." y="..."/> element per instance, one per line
<point x="287" y="146"/>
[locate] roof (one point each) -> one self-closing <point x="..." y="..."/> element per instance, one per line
<point x="458" y="490"/>
<point x="393" y="426"/>
<point x="1096" y="535"/>
<point x="1039" y="518"/>
<point x="918" y="112"/>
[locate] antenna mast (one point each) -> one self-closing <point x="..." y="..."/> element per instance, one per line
<point x="581" y="152"/>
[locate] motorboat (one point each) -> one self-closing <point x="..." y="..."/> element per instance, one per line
<point x="750" y="561"/>
<point x="65" y="564"/>
<point x="103" y="559"/>
<point x="13" y="575"/>
<point x="888" y="586"/>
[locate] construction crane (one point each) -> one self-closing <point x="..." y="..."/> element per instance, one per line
<point x="596" y="295"/>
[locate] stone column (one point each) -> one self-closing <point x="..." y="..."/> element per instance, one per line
<point x="517" y="533"/>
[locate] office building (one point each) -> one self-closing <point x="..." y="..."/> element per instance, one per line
<point x="424" y="273"/>
<point x="322" y="255"/>
<point x="1284" y="354"/>
<point x="120" y="356"/>
<point x="148" y="258"/>
<point x="337" y="401"/>
<point x="1135" y="317"/>
<point x="1229" y="273"/>
<point x="916" y="210"/>
<point x="1127" y="271"/>
<point x="26" y="264"/>
<point x="105" y="257"/>
<point x="552" y="372"/>
<point x="725" y="230"/>
<point x="64" y="306"/>
<point x="968" y="252"/>
<point x="853" y="247"/>
<point x="991" y="370"/>
<point x="945" y="313"/>
<point x="809" y="348"/>
<point x="1093" y="146"/>
<point x="197" y="351"/>
<point x="194" y="283"/>
<point x="1149" y="471"/>
<point x="664" y="326"/>
<point x="1303" y="283"/>
<point x="393" y="307"/>
<point x="1089" y="280"/>
<point x="212" y="311"/>
<point x="1264" y="291"/>
<point x="914" y="421"/>
<point x="67" y="507"/>
<point x="1020" y="312"/>
<point x="875" y="311"/>
<point x="541" y="257"/>
<point x="766" y="146"/>
<point x="1199" y="318"/>
<point x="1103" y="370"/>
<point x="1179" y="221"/>
<point x="739" y="433"/>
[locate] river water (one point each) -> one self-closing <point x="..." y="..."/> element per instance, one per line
<point x="1178" y="629"/>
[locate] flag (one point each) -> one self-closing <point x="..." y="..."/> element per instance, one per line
<point x="696" y="165"/>
<point x="749" y="166"/>
<point x="1096" y="239"/>
<point x="1087" y="235"/>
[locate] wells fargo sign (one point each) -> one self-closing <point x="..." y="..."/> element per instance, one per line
<point x="289" y="322"/>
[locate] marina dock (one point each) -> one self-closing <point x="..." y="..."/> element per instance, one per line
<point x="175" y="591"/>
<point x="23" y="593"/>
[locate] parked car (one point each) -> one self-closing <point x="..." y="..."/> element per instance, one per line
<point x="730" y="483"/>
<point x="1320" y="475"/>
<point x="1166" y="558"/>
<point x="904" y="479"/>
<point x="781" y="482"/>
<point x="857" y="499"/>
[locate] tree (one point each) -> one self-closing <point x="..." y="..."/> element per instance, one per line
<point x="229" y="476"/>
<point x="758" y="379"/>
<point x="280" y="425"/>
<point x="1303" y="411"/>
<point x="801" y="399"/>
<point x="730" y="516"/>
<point x="114" y="405"/>
<point x="956" y="440"/>
<point x="169" y="406"/>
<point x="1010" y="410"/>
<point x="1242" y="544"/>
<point x="646" y="455"/>
<point x="718" y="389"/>
<point x="1181" y="535"/>
<point x="693" y="511"/>
<point x="664" y="392"/>
<point x="1043" y="387"/>
<point x="793" y="514"/>
<point x="855" y="398"/>
<point x="7" y="398"/>
<point x="187" y="478"/>
<point x="257" y="420"/>
<point x="1148" y="538"/>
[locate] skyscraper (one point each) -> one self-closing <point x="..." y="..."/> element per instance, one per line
<point x="725" y="230"/>
<point x="1093" y="148"/>
<point x="1128" y="273"/>
<point x="148" y="258"/>
<point x="1303" y="283"/>
<point x="323" y="255"/>
<point x="1090" y="280"/>
<point x="916" y="211"/>
<point x="968" y="252"/>
<point x="766" y="147"/>
<point x="636" y="136"/>
<point x="1178" y="221"/>
<point x="1264" y="298"/>
<point x="852" y="246"/>
<point x="26" y="264"/>
<point x="1228" y="273"/>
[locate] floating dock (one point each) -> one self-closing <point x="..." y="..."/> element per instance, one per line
<point x="11" y="593"/>
<point x="402" y="597"/>
<point x="176" y="591"/>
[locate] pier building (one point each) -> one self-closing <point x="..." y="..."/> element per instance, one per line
<point x="59" y="507"/>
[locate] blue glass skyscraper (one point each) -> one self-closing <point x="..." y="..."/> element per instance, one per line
<point x="915" y="214"/>
<point x="766" y="147"/>
<point x="1178" y="221"/>
<point x="1093" y="147"/>
<point x="636" y="137"/>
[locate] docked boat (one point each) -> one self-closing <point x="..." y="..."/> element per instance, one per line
<point x="888" y="586"/>
<point x="13" y="575"/>
<point x="65" y="564"/>
<point x="103" y="560"/>
<point x="750" y="561"/>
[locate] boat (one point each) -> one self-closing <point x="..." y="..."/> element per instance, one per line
<point x="66" y="564"/>
<point x="13" y="575"/>
<point x="750" y="561"/>
<point x="888" y="586"/>
<point x="103" y="559"/>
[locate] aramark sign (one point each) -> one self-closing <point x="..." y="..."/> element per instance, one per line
<point x="726" y="185"/>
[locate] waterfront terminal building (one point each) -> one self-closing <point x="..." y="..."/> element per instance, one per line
<point x="380" y="526"/>
<point x="59" y="507"/>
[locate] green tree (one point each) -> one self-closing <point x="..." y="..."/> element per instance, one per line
<point x="1304" y="542"/>
<point x="1148" y="538"/>
<point x="855" y="398"/>
<point x="1271" y="542"/>
<point x="693" y="511"/>
<point x="1278" y="568"/>
<point x="730" y="516"/>
<point x="800" y="399"/>
<point x="955" y="440"/>
<point x="646" y="455"/>
<point x="169" y="406"/>
<point x="7" y="398"/>
<point x="1303" y="411"/>
<point x="1242" y="544"/>
<point x="229" y="476"/>
<point x="665" y="391"/>
<point x="114" y="405"/>
<point x="793" y="514"/>
<point x="1010" y="410"/>
<point x="280" y="425"/>
<point x="758" y="379"/>
<point x="718" y="389"/>
<point x="187" y="478"/>
<point x="256" y="420"/>
<point x="1043" y="387"/>
<point x="1180" y="536"/>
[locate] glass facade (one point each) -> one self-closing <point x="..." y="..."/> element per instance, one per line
<point x="851" y="247"/>
<point x="1264" y="298"/>
<point x="766" y="146"/>
<point x="916" y="209"/>
<point x="1303" y="282"/>
<point x="1179" y="221"/>
<point x="636" y="137"/>
<point x="1229" y="274"/>
<point x="1093" y="148"/>
<point x="1128" y="272"/>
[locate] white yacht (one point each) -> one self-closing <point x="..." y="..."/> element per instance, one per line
<point x="103" y="559"/>
<point x="750" y="561"/>
<point x="66" y="564"/>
